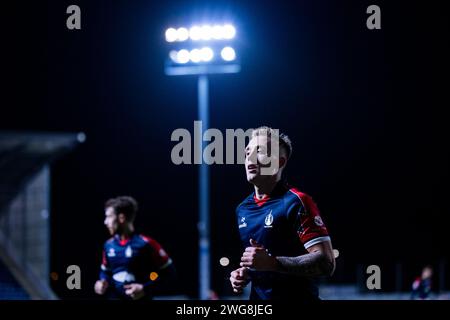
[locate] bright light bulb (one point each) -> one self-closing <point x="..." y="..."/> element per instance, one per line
<point x="173" y="54"/>
<point x="183" y="56"/>
<point x="171" y="35"/>
<point x="195" y="33"/>
<point x="195" y="55"/>
<point x="217" y="32"/>
<point x="206" y="54"/>
<point x="224" y="261"/>
<point x="229" y="31"/>
<point x="228" y="54"/>
<point x="206" y="33"/>
<point x="182" y="34"/>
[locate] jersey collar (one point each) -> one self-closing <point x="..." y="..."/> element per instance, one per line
<point x="279" y="189"/>
<point x="124" y="241"/>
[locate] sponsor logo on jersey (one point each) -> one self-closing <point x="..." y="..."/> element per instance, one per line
<point x="124" y="277"/>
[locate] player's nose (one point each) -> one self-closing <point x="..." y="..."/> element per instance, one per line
<point x="252" y="157"/>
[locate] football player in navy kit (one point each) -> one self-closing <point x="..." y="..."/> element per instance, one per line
<point x="133" y="265"/>
<point x="286" y="242"/>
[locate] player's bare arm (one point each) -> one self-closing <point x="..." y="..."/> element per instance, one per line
<point x="319" y="261"/>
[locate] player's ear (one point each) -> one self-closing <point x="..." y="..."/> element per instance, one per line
<point x="121" y="217"/>
<point x="283" y="162"/>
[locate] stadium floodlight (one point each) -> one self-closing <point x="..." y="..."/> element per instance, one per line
<point x="195" y="55"/>
<point x="201" y="33"/>
<point x="201" y="50"/>
<point x="195" y="33"/>
<point x="217" y="32"/>
<point x="229" y="31"/>
<point x="206" y="54"/>
<point x="171" y="35"/>
<point x="182" y="34"/>
<point x="206" y="33"/>
<point x="228" y="54"/>
<point x="189" y="55"/>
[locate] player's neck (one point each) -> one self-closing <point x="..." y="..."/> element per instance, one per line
<point x="265" y="188"/>
<point x="126" y="232"/>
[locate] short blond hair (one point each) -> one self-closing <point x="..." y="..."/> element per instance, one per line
<point x="282" y="138"/>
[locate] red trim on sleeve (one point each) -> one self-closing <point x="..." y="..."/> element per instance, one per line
<point x="311" y="221"/>
<point x="298" y="193"/>
<point x="104" y="261"/>
<point x="146" y="239"/>
<point x="159" y="256"/>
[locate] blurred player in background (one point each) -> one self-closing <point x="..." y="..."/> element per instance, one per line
<point x="421" y="287"/>
<point x="133" y="266"/>
<point x="286" y="242"/>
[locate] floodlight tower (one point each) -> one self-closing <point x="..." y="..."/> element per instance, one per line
<point x="201" y="50"/>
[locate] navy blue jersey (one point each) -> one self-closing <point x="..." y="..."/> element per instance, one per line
<point x="286" y="223"/>
<point x="421" y="288"/>
<point x="131" y="261"/>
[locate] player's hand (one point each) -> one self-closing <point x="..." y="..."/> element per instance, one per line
<point x="239" y="279"/>
<point x="258" y="258"/>
<point x="134" y="290"/>
<point x="101" y="286"/>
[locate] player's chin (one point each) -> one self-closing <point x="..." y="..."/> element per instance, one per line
<point x="252" y="177"/>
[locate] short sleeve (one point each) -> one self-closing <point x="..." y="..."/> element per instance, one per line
<point x="159" y="257"/>
<point x="105" y="270"/>
<point x="310" y="227"/>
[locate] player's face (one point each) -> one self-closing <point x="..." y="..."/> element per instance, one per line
<point x="111" y="222"/>
<point x="256" y="153"/>
<point x="427" y="273"/>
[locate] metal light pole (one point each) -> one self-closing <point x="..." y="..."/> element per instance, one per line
<point x="200" y="60"/>
<point x="203" y="197"/>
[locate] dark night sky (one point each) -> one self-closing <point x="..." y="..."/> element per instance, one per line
<point x="364" y="109"/>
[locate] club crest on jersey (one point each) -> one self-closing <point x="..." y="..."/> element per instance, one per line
<point x="243" y="224"/>
<point x="268" y="220"/>
<point x="111" y="252"/>
<point x="128" y="252"/>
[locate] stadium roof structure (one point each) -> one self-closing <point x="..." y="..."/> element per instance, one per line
<point x="23" y="154"/>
